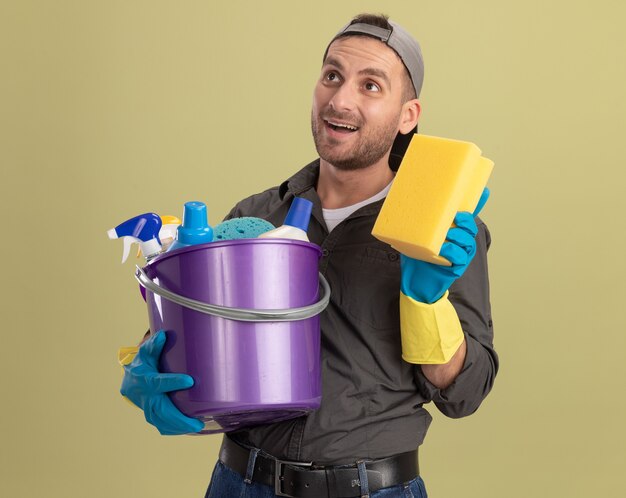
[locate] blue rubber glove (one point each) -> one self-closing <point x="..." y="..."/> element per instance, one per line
<point x="145" y="386"/>
<point x="428" y="282"/>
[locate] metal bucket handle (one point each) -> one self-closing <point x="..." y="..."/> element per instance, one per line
<point x="241" y="314"/>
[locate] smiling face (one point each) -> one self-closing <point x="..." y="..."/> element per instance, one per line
<point x="358" y="103"/>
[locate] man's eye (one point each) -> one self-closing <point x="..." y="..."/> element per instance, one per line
<point x="372" y="87"/>
<point x="332" y="76"/>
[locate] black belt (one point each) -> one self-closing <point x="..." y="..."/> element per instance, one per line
<point x="303" y="479"/>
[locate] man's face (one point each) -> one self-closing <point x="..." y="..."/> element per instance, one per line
<point x="357" y="102"/>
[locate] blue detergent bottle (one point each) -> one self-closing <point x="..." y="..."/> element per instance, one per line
<point x="195" y="228"/>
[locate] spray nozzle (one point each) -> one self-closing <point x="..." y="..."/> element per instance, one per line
<point x="167" y="234"/>
<point x="143" y="229"/>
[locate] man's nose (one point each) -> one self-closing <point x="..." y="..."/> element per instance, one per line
<point x="344" y="98"/>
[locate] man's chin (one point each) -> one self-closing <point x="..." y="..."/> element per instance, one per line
<point x="349" y="157"/>
<point x="350" y="161"/>
<point x="345" y="163"/>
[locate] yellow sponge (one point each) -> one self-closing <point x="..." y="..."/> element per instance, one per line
<point x="437" y="178"/>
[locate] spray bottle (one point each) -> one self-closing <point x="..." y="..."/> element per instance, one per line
<point x="296" y="222"/>
<point x="143" y="229"/>
<point x="195" y="228"/>
<point x="167" y="234"/>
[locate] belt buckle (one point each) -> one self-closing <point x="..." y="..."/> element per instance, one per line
<point x="278" y="475"/>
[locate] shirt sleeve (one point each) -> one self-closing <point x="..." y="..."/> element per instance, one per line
<point x="470" y="297"/>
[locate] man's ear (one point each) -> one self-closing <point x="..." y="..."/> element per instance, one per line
<point x="410" y="114"/>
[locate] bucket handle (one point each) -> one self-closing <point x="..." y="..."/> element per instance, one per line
<point x="241" y="314"/>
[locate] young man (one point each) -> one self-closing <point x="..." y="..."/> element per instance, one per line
<point x="363" y="440"/>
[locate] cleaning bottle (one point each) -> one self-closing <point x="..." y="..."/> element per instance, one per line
<point x="167" y="234"/>
<point x="143" y="229"/>
<point x="195" y="228"/>
<point x="296" y="222"/>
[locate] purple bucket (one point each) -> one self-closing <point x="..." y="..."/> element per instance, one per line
<point x="242" y="318"/>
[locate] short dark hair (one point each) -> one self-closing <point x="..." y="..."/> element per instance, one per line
<point x="379" y="20"/>
<point x="382" y="21"/>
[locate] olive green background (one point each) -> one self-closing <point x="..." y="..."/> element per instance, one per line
<point x="113" y="108"/>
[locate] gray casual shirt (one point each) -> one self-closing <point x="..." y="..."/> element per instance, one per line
<point x="372" y="400"/>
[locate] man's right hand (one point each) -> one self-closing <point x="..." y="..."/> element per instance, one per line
<point x="146" y="387"/>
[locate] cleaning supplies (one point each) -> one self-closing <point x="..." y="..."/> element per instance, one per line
<point x="195" y="228"/>
<point x="143" y="229"/>
<point x="426" y="282"/>
<point x="438" y="177"/>
<point x="167" y="234"/>
<point x="296" y="222"/>
<point x="246" y="227"/>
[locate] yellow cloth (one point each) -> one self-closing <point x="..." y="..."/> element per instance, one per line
<point x="431" y="333"/>
<point x="125" y="355"/>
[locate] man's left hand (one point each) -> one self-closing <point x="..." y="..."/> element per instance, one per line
<point x="428" y="282"/>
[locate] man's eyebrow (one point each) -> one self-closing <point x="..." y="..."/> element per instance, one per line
<point x="368" y="71"/>
<point x="331" y="61"/>
<point x="372" y="71"/>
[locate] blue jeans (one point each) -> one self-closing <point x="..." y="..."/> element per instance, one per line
<point x="226" y="483"/>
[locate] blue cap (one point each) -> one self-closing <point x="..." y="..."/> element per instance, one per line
<point x="195" y="228"/>
<point x="299" y="213"/>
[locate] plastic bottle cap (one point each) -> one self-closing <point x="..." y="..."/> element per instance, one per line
<point x="195" y="215"/>
<point x="195" y="228"/>
<point x="299" y="213"/>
